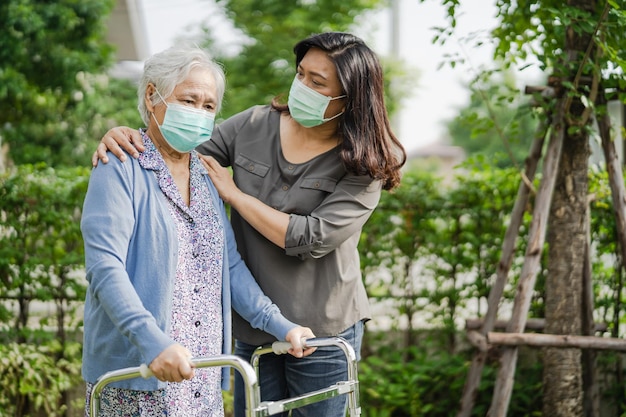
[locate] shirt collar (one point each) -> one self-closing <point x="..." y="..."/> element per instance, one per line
<point x="150" y="158"/>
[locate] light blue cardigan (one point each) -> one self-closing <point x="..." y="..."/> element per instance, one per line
<point x="131" y="256"/>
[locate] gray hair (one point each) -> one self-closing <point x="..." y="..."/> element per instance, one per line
<point x="169" y="68"/>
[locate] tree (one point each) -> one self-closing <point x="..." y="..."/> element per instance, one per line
<point x="54" y="97"/>
<point x="498" y="122"/>
<point x="580" y="45"/>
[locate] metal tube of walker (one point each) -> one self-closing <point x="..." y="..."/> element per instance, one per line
<point x="283" y="347"/>
<point x="253" y="396"/>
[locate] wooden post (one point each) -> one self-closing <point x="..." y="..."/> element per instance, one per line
<point x="528" y="276"/>
<point x="618" y="193"/>
<point x="616" y="180"/>
<point x="504" y="265"/>
<point x="533" y="324"/>
<point x="556" y="340"/>
<point x="591" y="400"/>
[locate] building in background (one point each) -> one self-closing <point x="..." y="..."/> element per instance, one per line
<point x="127" y="32"/>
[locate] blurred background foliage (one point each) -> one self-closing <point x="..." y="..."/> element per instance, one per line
<point x="55" y="95"/>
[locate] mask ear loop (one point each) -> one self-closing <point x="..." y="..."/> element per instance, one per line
<point x="334" y="117"/>
<point x="152" y="112"/>
<point x="151" y="98"/>
<point x="160" y="96"/>
<point x="338" y="114"/>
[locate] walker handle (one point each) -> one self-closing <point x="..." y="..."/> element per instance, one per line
<point x="280" y="348"/>
<point x="145" y="371"/>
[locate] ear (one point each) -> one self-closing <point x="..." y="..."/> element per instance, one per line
<point x="150" y="90"/>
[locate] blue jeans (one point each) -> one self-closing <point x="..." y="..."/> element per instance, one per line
<point x="284" y="376"/>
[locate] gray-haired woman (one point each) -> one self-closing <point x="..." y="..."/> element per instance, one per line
<point x="161" y="258"/>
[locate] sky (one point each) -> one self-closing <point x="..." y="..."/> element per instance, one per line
<point x="439" y="92"/>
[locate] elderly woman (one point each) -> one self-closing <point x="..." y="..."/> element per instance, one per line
<point x="161" y="259"/>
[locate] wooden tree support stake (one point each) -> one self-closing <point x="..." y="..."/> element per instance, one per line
<point x="531" y="324"/>
<point x="554" y="340"/>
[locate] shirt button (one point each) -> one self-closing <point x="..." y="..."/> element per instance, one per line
<point x="290" y="167"/>
<point x="250" y="167"/>
<point x="197" y="394"/>
<point x="285" y="187"/>
<point x="197" y="323"/>
<point x="316" y="185"/>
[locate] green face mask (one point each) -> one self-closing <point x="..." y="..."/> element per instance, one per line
<point x="184" y="128"/>
<point x="307" y="106"/>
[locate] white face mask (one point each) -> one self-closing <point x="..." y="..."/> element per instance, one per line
<point x="307" y="106"/>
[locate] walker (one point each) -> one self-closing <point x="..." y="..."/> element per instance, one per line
<point x="249" y="373"/>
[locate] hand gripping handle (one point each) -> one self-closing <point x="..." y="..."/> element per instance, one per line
<point x="280" y="348"/>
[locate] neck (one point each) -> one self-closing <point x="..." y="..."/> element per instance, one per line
<point x="169" y="154"/>
<point x="326" y="132"/>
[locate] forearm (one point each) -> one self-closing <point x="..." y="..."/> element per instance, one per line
<point x="268" y="221"/>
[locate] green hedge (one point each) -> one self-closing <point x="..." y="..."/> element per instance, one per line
<point x="429" y="251"/>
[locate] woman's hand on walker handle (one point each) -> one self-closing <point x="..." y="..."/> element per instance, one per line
<point x="295" y="337"/>
<point x="116" y="139"/>
<point x="173" y="364"/>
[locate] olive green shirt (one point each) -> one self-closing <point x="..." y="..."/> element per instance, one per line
<point x="316" y="280"/>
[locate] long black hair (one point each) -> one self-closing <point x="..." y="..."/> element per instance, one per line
<point x="369" y="146"/>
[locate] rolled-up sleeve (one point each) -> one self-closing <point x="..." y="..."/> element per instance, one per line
<point x="342" y="214"/>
